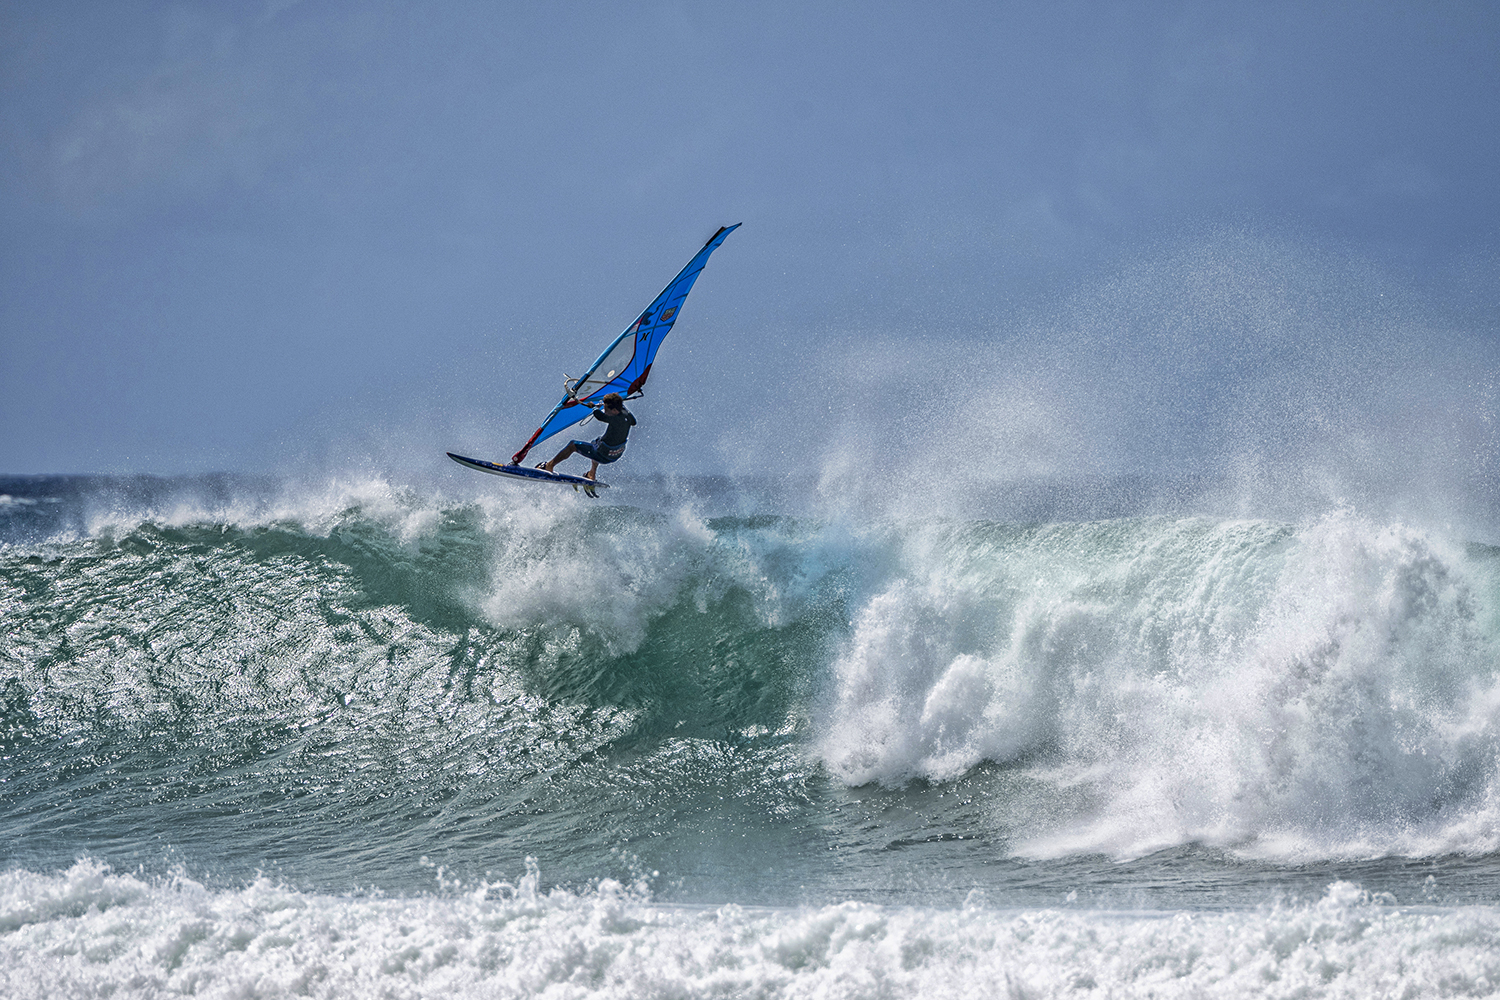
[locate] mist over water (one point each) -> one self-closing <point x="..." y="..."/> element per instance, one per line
<point x="1240" y="373"/>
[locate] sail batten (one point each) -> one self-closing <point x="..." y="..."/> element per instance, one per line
<point x="625" y="364"/>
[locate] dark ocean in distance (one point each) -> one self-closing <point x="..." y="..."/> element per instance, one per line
<point x="714" y="737"/>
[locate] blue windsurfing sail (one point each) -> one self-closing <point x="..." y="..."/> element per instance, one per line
<point x="626" y="362"/>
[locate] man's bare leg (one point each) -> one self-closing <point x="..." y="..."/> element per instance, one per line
<point x="593" y="470"/>
<point x="549" y="466"/>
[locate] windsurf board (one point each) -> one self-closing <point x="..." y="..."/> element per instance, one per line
<point x="531" y="475"/>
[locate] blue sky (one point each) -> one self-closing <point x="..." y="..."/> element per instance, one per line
<point x="233" y="233"/>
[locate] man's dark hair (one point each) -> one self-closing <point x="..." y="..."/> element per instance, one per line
<point x="613" y="400"/>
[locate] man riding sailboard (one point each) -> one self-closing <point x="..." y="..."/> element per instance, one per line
<point x="606" y="448"/>
<point x="600" y="393"/>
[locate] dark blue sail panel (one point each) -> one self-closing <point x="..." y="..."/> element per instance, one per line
<point x="626" y="362"/>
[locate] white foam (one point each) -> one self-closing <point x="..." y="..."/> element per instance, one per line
<point x="551" y="567"/>
<point x="1324" y="692"/>
<point x="911" y="702"/>
<point x="89" y="932"/>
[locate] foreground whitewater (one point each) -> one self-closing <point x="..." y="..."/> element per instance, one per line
<point x="88" y="932"/>
<point x="375" y="741"/>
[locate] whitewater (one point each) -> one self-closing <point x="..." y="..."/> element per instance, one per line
<point x="370" y="738"/>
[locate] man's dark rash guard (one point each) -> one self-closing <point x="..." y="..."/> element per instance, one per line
<point x="619" y="426"/>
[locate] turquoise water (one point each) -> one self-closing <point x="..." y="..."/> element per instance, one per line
<point x="508" y="741"/>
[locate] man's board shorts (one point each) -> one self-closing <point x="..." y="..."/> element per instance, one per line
<point x="599" y="451"/>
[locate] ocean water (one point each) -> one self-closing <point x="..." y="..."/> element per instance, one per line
<point x="372" y="739"/>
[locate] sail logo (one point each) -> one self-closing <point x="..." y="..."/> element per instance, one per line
<point x="668" y="314"/>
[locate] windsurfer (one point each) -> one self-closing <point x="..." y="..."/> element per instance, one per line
<point x="606" y="448"/>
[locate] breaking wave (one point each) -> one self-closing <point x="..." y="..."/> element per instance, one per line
<point x="1298" y="691"/>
